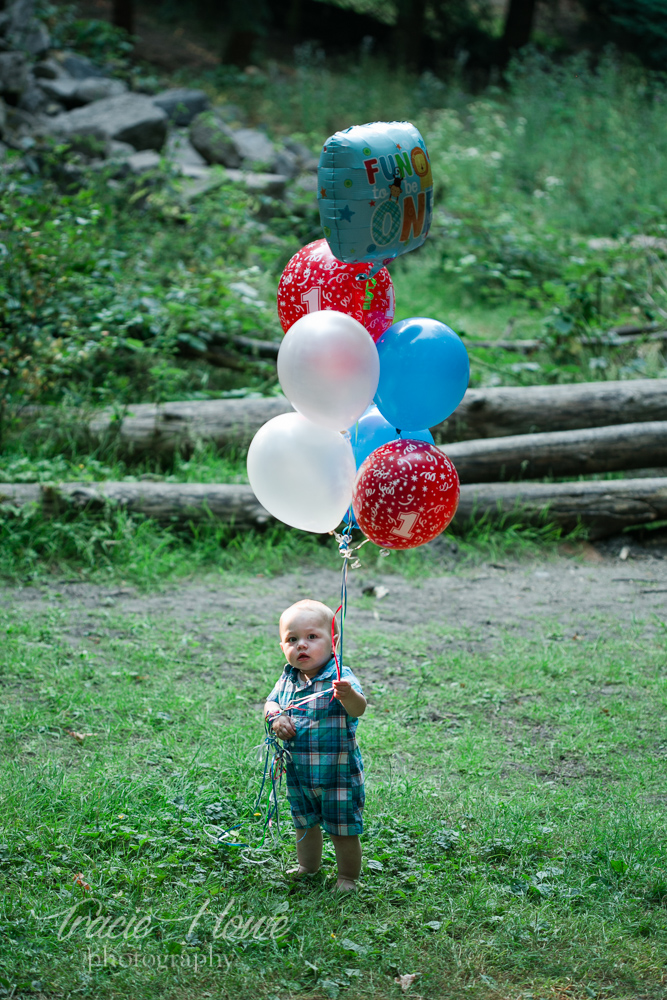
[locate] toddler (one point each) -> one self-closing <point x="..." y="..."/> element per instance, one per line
<point x="325" y="773"/>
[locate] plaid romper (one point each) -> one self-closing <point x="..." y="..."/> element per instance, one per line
<point x="325" y="776"/>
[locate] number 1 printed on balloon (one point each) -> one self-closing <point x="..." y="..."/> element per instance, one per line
<point x="312" y="299"/>
<point x="406" y="528"/>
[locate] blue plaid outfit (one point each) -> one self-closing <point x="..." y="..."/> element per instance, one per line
<point x="325" y="776"/>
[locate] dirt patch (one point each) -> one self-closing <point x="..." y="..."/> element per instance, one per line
<point x="561" y="598"/>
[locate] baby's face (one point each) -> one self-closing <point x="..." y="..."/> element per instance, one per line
<point x="305" y="639"/>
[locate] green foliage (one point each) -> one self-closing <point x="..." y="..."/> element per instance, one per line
<point x="97" y="300"/>
<point x="102" y="42"/>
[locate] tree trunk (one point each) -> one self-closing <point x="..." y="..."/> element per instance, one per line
<point x="502" y="411"/>
<point x="162" y="429"/>
<point x="123" y="15"/>
<point x="561" y="453"/>
<point x="605" y="508"/>
<point x="409" y="32"/>
<point x="165" y="502"/>
<point x="518" y="27"/>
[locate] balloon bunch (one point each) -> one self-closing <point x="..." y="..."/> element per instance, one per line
<point x="345" y="368"/>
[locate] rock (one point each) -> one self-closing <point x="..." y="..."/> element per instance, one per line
<point x="214" y="140"/>
<point x="306" y="183"/>
<point x="272" y="185"/>
<point x="3" y="117"/>
<point x="181" y="153"/>
<point x="97" y="88"/>
<point x="287" y="163"/>
<point x="141" y="163"/>
<point x="13" y="72"/>
<point x="182" y="105"/>
<point x="24" y="126"/>
<point x="63" y="90"/>
<point x="20" y="14"/>
<point x="24" y="31"/>
<point x="307" y="160"/>
<point x="254" y="147"/>
<point x="76" y="93"/>
<point x="33" y="99"/>
<point x="35" y="40"/>
<point x="199" y="181"/>
<point x="118" y="150"/>
<point x="130" y="118"/>
<point x="49" y="69"/>
<point x="79" y="67"/>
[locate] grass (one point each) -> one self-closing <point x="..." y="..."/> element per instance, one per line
<point x="515" y="819"/>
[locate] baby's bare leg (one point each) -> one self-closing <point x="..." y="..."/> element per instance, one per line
<point x="309" y="849"/>
<point x="348" y="859"/>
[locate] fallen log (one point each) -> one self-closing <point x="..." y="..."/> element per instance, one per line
<point x="501" y="411"/>
<point x="166" y="502"/>
<point x="161" y="429"/>
<point x="561" y="453"/>
<point x="604" y="508"/>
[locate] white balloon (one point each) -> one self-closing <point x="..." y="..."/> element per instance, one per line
<point x="302" y="473"/>
<point x="329" y="368"/>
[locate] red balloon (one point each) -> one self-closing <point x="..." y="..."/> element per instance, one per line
<point x="405" y="493"/>
<point x="314" y="280"/>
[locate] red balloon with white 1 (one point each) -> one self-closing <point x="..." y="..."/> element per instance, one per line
<point x="315" y="280"/>
<point x="405" y="493"/>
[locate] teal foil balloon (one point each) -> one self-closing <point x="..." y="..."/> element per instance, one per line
<point x="375" y="191"/>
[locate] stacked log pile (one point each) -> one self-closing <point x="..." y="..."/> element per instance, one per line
<point x="496" y="437"/>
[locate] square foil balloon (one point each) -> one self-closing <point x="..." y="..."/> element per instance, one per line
<point x="375" y="192"/>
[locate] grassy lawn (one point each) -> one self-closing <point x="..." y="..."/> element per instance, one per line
<point x="515" y="818"/>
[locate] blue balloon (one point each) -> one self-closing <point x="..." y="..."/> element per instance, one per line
<point x="371" y="431"/>
<point x="424" y="372"/>
<point x="375" y="190"/>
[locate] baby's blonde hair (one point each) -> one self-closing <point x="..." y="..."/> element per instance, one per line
<point x="324" y="612"/>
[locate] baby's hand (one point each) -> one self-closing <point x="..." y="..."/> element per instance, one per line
<point x="341" y="689"/>
<point x="283" y="727"/>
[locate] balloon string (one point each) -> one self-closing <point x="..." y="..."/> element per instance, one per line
<point x="333" y="639"/>
<point x="342" y="607"/>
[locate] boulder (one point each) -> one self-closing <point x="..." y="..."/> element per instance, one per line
<point x="272" y="185"/>
<point x="24" y="31"/>
<point x="76" y="93"/>
<point x="33" y="99"/>
<point x="130" y="118"/>
<point x="97" y="88"/>
<point x="35" y="40"/>
<point x="180" y="152"/>
<point x="13" y="73"/>
<point x="20" y="15"/>
<point x="49" y="69"/>
<point x="63" y="90"/>
<point x="182" y="105"/>
<point x="141" y="163"/>
<point x="307" y="160"/>
<point x="254" y="147"/>
<point x="286" y="163"/>
<point x="79" y="67"/>
<point x="214" y="140"/>
<point x="120" y="150"/>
